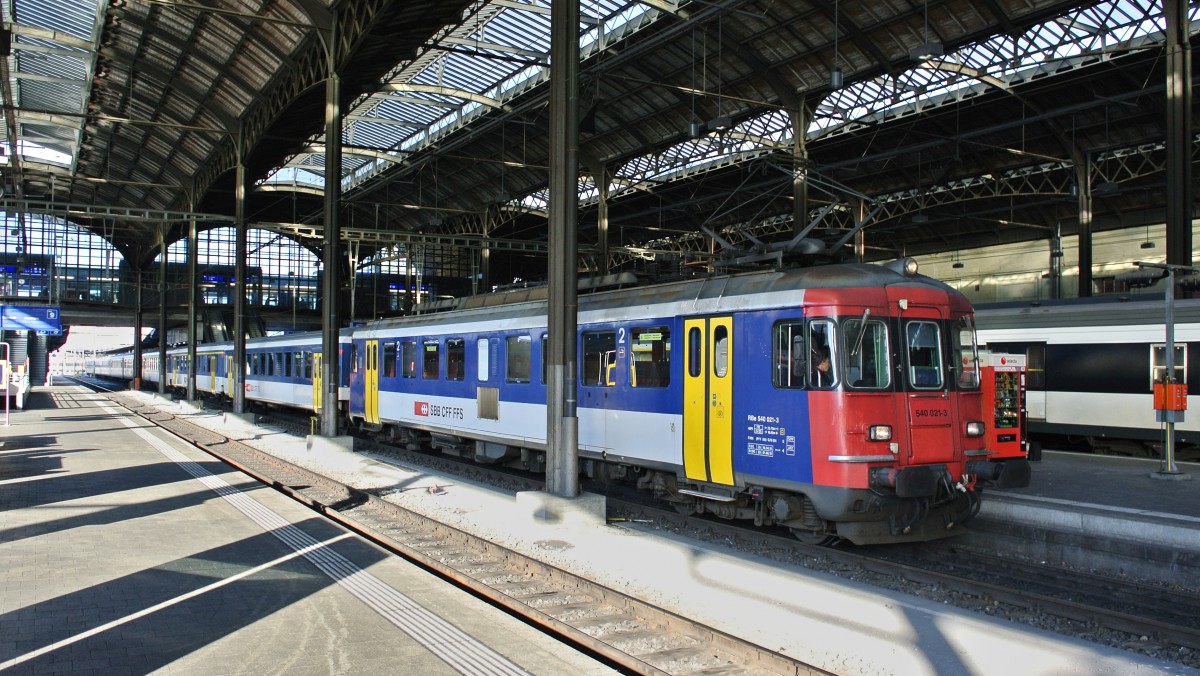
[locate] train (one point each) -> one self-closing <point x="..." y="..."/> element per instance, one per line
<point x="1091" y="368"/>
<point x="705" y="391"/>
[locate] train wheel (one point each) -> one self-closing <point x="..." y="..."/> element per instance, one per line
<point x="812" y="537"/>
<point x="685" y="508"/>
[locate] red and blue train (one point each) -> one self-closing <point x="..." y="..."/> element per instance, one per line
<point x="709" y="392"/>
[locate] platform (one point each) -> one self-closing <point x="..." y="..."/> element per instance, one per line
<point x="1103" y="513"/>
<point x="124" y="550"/>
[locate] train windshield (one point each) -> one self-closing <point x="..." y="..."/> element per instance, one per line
<point x="866" y="352"/>
<point x="966" y="351"/>
<point x="924" y="343"/>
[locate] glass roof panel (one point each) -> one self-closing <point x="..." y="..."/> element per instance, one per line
<point x="49" y="75"/>
<point x="498" y="51"/>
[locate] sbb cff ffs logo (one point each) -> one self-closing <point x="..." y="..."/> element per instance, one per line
<point x="421" y="408"/>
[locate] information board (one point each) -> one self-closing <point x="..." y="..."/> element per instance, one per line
<point x="45" y="319"/>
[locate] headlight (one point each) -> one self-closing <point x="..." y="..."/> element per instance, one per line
<point x="975" y="429"/>
<point x="879" y="432"/>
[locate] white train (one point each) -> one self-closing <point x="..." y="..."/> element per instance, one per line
<point x="1092" y="364"/>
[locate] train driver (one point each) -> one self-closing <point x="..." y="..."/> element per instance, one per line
<point x="822" y="375"/>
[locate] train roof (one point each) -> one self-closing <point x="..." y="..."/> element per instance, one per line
<point x="774" y="288"/>
<point x="1102" y="312"/>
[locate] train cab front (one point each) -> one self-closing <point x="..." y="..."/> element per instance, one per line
<point x="929" y="483"/>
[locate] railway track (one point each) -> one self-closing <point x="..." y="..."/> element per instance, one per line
<point x="1148" y="618"/>
<point x="630" y="634"/>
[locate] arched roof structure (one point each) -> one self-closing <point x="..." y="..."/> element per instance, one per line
<point x="713" y="129"/>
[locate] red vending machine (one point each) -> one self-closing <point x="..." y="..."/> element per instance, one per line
<point x="1004" y="396"/>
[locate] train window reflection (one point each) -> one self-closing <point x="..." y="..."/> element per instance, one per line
<point x="482" y="359"/>
<point x="599" y="358"/>
<point x="389" y="359"/>
<point x="966" y="351"/>
<point x="866" y="354"/>
<point x="431" y="361"/>
<point x="788" y="348"/>
<point x="721" y="351"/>
<point x="650" y="357"/>
<point x="408" y="359"/>
<point x="924" y="355"/>
<point x="694" y="355"/>
<point x="520" y="358"/>
<point x="456" y="359"/>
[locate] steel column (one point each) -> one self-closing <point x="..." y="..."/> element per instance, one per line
<point x="162" y="311"/>
<point x="331" y="283"/>
<point x="1179" y="134"/>
<point x="238" y="364"/>
<point x="193" y="286"/>
<point x="562" y="423"/>
<point x="137" y="332"/>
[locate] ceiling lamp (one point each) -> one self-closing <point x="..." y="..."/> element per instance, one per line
<point x="927" y="51"/>
<point x="931" y="49"/>
<point x="1147" y="244"/>
<point x="720" y="123"/>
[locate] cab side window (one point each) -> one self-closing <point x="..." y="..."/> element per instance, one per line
<point x="821" y="364"/>
<point x="787" y="346"/>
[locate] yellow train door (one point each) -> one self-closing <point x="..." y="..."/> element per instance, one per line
<point x="317" y="381"/>
<point x="708" y="400"/>
<point x="371" y="384"/>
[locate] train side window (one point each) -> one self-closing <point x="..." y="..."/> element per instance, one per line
<point x="650" y="357"/>
<point x="721" y="351"/>
<point x="695" y="358"/>
<point x="431" y="362"/>
<point x="389" y="359"/>
<point x="456" y="359"/>
<point x="408" y="359"/>
<point x="822" y="358"/>
<point x="964" y="354"/>
<point x="924" y="355"/>
<point x="1158" y="363"/>
<point x="1035" y="367"/>
<point x="355" y="364"/>
<point x="520" y="357"/>
<point x="866" y="354"/>
<point x="788" y="348"/>
<point x="482" y="359"/>
<point x="599" y="358"/>
<point x="287" y="364"/>
<point x="545" y="347"/>
<point x="308" y="365"/>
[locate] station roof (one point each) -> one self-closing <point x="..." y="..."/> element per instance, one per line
<point x="935" y="125"/>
